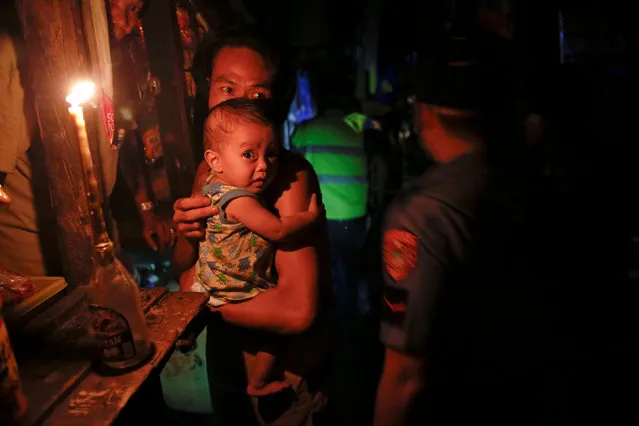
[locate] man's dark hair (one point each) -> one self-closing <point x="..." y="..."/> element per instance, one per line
<point x="249" y="37"/>
<point x="224" y="118"/>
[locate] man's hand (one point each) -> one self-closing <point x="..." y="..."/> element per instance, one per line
<point x="190" y="214"/>
<point x="157" y="231"/>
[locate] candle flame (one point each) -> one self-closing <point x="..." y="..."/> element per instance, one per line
<point x="80" y="93"/>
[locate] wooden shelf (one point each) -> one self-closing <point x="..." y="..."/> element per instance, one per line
<point x="48" y="289"/>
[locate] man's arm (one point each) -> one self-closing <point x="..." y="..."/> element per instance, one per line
<point x="257" y="218"/>
<point x="413" y="275"/>
<point x="131" y="166"/>
<point x="402" y="380"/>
<point x="291" y="307"/>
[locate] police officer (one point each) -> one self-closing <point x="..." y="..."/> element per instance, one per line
<point x="444" y="246"/>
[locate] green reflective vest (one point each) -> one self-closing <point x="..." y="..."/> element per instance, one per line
<point x="334" y="145"/>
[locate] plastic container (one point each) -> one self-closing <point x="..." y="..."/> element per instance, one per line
<point x="185" y="382"/>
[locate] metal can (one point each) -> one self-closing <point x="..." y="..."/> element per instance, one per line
<point x="13" y="404"/>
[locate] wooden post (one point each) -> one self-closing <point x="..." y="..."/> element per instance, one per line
<point x="57" y="58"/>
<point x="165" y="59"/>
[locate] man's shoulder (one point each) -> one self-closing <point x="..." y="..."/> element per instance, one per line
<point x="293" y="166"/>
<point x="302" y="131"/>
<point x="410" y="209"/>
<point x="317" y="120"/>
<point x="295" y="178"/>
<point x="316" y="123"/>
<point x="291" y="160"/>
<point x="460" y="184"/>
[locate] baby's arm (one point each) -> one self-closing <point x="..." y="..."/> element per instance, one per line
<point x="257" y="218"/>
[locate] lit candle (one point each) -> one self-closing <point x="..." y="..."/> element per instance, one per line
<point x="81" y="93"/>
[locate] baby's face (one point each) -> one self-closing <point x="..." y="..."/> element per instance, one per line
<point x="248" y="159"/>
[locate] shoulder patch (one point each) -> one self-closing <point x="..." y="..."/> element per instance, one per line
<point x="399" y="253"/>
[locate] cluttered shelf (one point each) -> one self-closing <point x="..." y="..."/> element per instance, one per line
<point x="55" y="353"/>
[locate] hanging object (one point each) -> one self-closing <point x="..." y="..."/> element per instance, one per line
<point x="146" y="117"/>
<point x="96" y="30"/>
<point x="193" y="29"/>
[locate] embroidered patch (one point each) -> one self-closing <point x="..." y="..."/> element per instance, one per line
<point x="400" y="253"/>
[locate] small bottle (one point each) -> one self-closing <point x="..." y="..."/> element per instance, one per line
<point x="149" y="123"/>
<point x="117" y="315"/>
<point x="13" y="404"/>
<point x="119" y="139"/>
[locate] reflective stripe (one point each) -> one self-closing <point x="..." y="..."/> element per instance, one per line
<point x="335" y="148"/>
<point x="342" y="180"/>
<point x="353" y="151"/>
<point x="338" y="165"/>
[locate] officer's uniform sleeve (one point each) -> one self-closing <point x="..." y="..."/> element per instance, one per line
<point x="413" y="274"/>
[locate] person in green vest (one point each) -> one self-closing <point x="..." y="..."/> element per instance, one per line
<point x="333" y="142"/>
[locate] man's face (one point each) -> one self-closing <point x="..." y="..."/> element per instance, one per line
<point x="239" y="72"/>
<point x="421" y="114"/>
<point x="124" y="15"/>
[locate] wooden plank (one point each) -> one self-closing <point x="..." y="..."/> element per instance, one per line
<point x="47" y="291"/>
<point x="150" y="296"/>
<point x="48" y="376"/>
<point x="165" y="59"/>
<point x="98" y="400"/>
<point x="54" y="316"/>
<point x="57" y="58"/>
<point x="47" y="379"/>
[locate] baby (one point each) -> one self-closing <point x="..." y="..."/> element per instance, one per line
<point x="236" y="256"/>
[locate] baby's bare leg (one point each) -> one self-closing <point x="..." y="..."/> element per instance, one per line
<point x="260" y="380"/>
